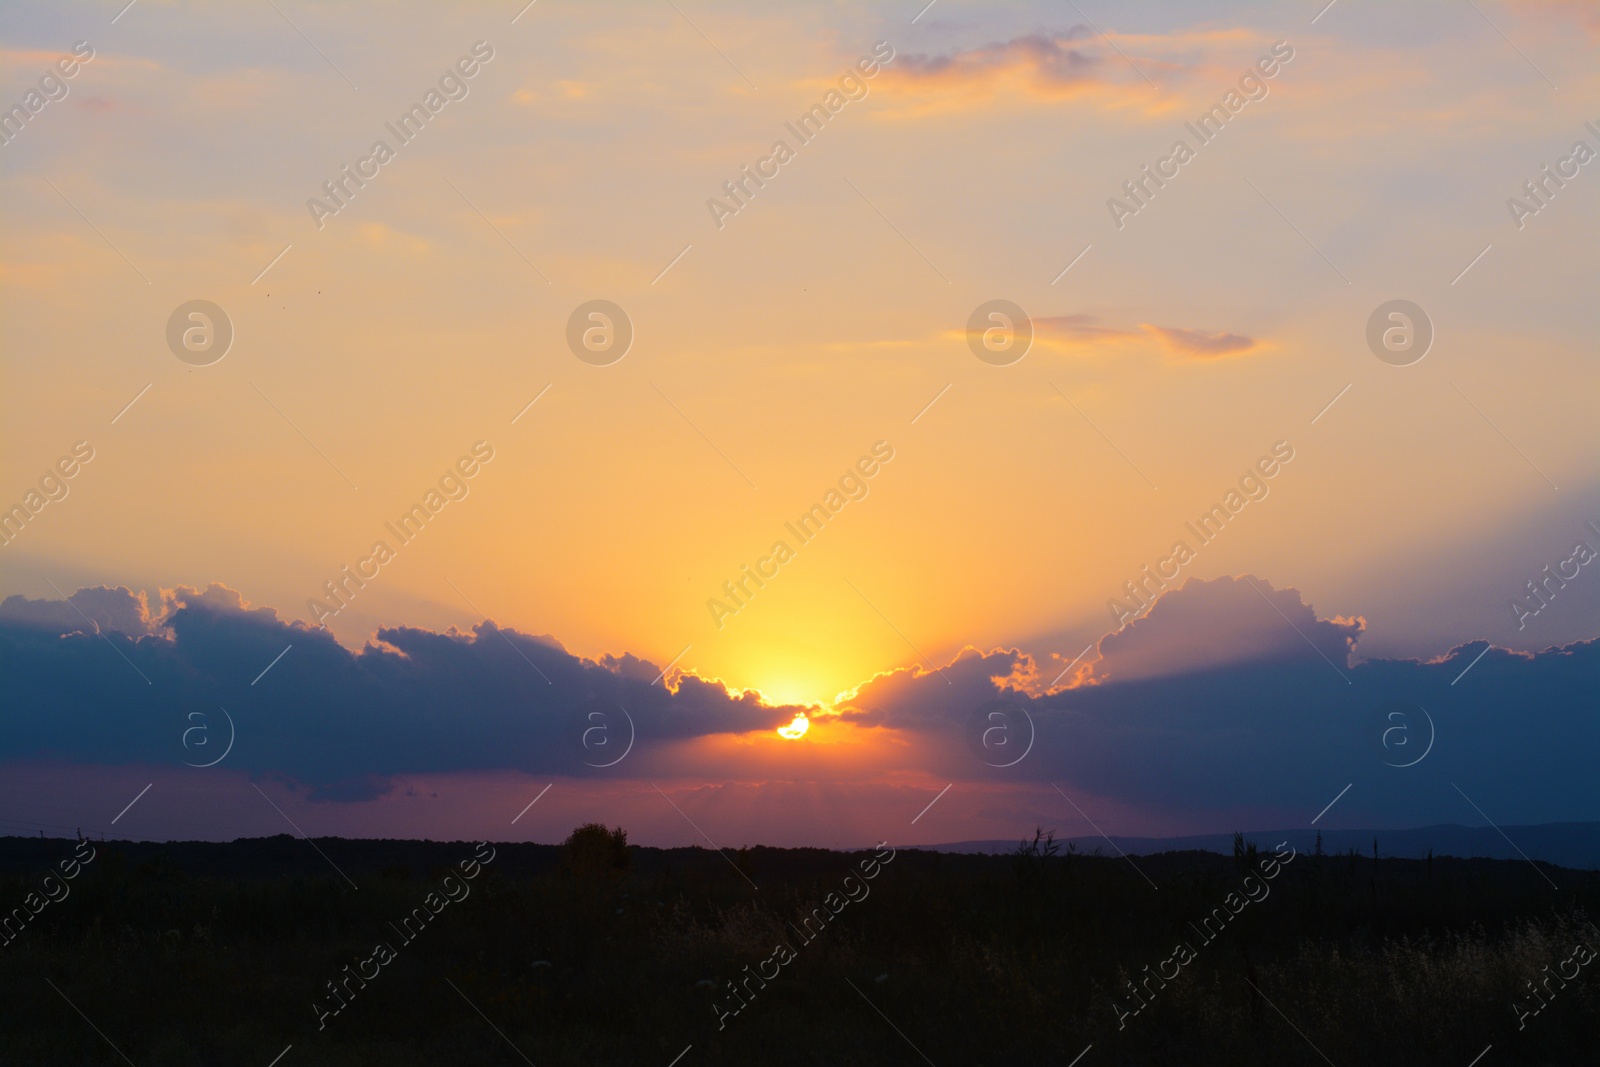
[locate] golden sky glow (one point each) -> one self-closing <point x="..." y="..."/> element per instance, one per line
<point x="781" y="349"/>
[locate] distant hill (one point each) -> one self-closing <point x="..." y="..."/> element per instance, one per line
<point x="1566" y="844"/>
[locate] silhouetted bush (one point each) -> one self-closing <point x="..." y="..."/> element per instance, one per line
<point x="593" y="851"/>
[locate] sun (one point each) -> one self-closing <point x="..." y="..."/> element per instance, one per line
<point x="796" y="729"/>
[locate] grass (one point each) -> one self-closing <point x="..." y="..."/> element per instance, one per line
<point x="192" y="954"/>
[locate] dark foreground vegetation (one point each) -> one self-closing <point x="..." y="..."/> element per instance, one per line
<point x="601" y="953"/>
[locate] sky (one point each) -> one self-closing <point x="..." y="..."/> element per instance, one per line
<point x="800" y="221"/>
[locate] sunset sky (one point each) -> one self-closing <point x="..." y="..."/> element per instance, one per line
<point x="1182" y="346"/>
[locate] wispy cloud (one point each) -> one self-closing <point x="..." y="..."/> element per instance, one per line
<point x="1203" y="344"/>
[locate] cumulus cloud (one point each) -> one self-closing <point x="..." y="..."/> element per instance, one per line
<point x="1228" y="695"/>
<point x="118" y="609"/>
<point x="1220" y="698"/>
<point x="1204" y="624"/>
<point x="911" y="698"/>
<point x="340" y="721"/>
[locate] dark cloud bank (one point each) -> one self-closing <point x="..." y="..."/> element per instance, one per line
<point x="342" y="722"/>
<point x="1222" y="696"/>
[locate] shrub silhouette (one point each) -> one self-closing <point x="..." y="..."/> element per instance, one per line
<point x="1031" y="857"/>
<point x="1244" y="855"/>
<point x="592" y="851"/>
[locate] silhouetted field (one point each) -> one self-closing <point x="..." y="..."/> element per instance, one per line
<point x="602" y="953"/>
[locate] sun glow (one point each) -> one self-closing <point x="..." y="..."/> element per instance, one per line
<point x="796" y="729"/>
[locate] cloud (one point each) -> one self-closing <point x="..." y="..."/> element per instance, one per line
<point x="1203" y="624"/>
<point x="1223" y="699"/>
<point x="1156" y="74"/>
<point x="342" y="722"/>
<point x="911" y="698"/>
<point x="118" y="609"/>
<point x="1043" y="61"/>
<point x="1203" y="344"/>
<point x="1035" y="67"/>
<point x="1087" y="335"/>
<point x="1228" y="696"/>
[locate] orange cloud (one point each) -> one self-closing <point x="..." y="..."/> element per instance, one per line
<point x="1047" y="66"/>
<point x="1036" y="66"/>
<point x="1087" y="335"/>
<point x="1154" y="73"/>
